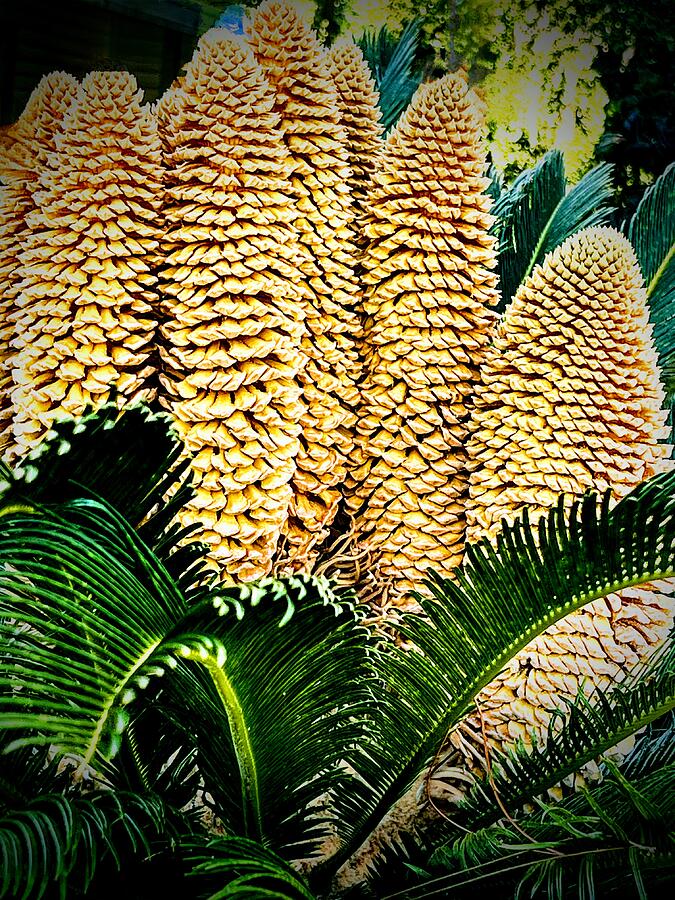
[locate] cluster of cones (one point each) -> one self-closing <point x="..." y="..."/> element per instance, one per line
<point x="313" y="305"/>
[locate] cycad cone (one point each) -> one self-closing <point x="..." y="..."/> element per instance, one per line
<point x="429" y="281"/>
<point x="85" y="319"/>
<point x="570" y="399"/>
<point x="358" y="102"/>
<point x="294" y="62"/>
<point x="233" y="326"/>
<point x="24" y="152"/>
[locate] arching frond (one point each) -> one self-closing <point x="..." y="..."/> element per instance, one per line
<point x="130" y="460"/>
<point x="501" y="599"/>
<point x="589" y="727"/>
<point x="59" y="841"/>
<point x="236" y="867"/>
<point x="90" y="617"/>
<point x="538" y="212"/>
<point x="652" y="233"/>
<point x="392" y="64"/>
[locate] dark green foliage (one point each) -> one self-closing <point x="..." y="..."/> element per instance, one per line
<point x="265" y="709"/>
<point x="652" y="233"/>
<point x="538" y="212"/>
<point x="392" y="63"/>
<point x="472" y="626"/>
<point x="237" y="867"/>
<point x="612" y="840"/>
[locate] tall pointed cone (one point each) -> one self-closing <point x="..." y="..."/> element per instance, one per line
<point x="233" y="312"/>
<point x="430" y="286"/>
<point x="294" y="62"/>
<point x="358" y="102"/>
<point x="25" y="151"/>
<point x="86" y="317"/>
<point x="570" y="399"/>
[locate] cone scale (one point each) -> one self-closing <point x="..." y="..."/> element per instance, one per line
<point x="570" y="399"/>
<point x="306" y="99"/>
<point x="233" y="324"/>
<point x="430" y="284"/>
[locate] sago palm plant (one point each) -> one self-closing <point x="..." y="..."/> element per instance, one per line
<point x="267" y="711"/>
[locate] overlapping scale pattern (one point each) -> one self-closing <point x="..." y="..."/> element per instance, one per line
<point x="233" y="318"/>
<point x="24" y="151"/>
<point x="430" y="286"/>
<point x="570" y="398"/>
<point x="306" y="99"/>
<point x="86" y="309"/>
<point x="358" y="102"/>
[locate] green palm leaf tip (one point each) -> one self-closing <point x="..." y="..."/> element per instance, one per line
<point x="392" y="63"/>
<point x="103" y="618"/>
<point x="614" y="840"/>
<point x="570" y="399"/>
<point x="580" y="733"/>
<point x="130" y="459"/>
<point x="652" y="233"/>
<point x="237" y="867"/>
<point x="537" y="213"/>
<point x="60" y="841"/>
<point x="473" y="625"/>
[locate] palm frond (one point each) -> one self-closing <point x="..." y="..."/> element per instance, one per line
<point x="60" y="840"/>
<point x="537" y="213"/>
<point x="652" y="233"/>
<point x="611" y="841"/>
<point x="588" y="728"/>
<point x="130" y="459"/>
<point x="502" y="598"/>
<point x="301" y="691"/>
<point x="90" y="617"/>
<point x="237" y="867"/>
<point x="392" y="63"/>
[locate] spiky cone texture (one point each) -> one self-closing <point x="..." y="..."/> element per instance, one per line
<point x="85" y="316"/>
<point x="29" y="141"/>
<point x="358" y="102"/>
<point x="233" y="328"/>
<point x="430" y="286"/>
<point x="306" y="99"/>
<point x="570" y="399"/>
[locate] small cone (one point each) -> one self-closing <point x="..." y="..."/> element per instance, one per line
<point x="294" y="63"/>
<point x="430" y="285"/>
<point x="86" y="317"/>
<point x="358" y="102"/>
<point x="570" y="399"/>
<point x="233" y="309"/>
<point x="24" y="151"/>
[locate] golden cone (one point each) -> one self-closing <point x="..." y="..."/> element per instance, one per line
<point x="570" y="399"/>
<point x="25" y="149"/>
<point x="86" y="317"/>
<point x="233" y="312"/>
<point x="358" y="102"/>
<point x="430" y="284"/>
<point x="306" y="99"/>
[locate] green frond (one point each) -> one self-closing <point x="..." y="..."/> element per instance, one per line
<point x="589" y="727"/>
<point x="502" y="598"/>
<point x="130" y="460"/>
<point x="652" y="233"/>
<point x="301" y="691"/>
<point x="612" y="840"/>
<point x="392" y="64"/>
<point x="271" y="675"/>
<point x="537" y="213"/>
<point x="237" y="867"/>
<point x="59" y="840"/>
